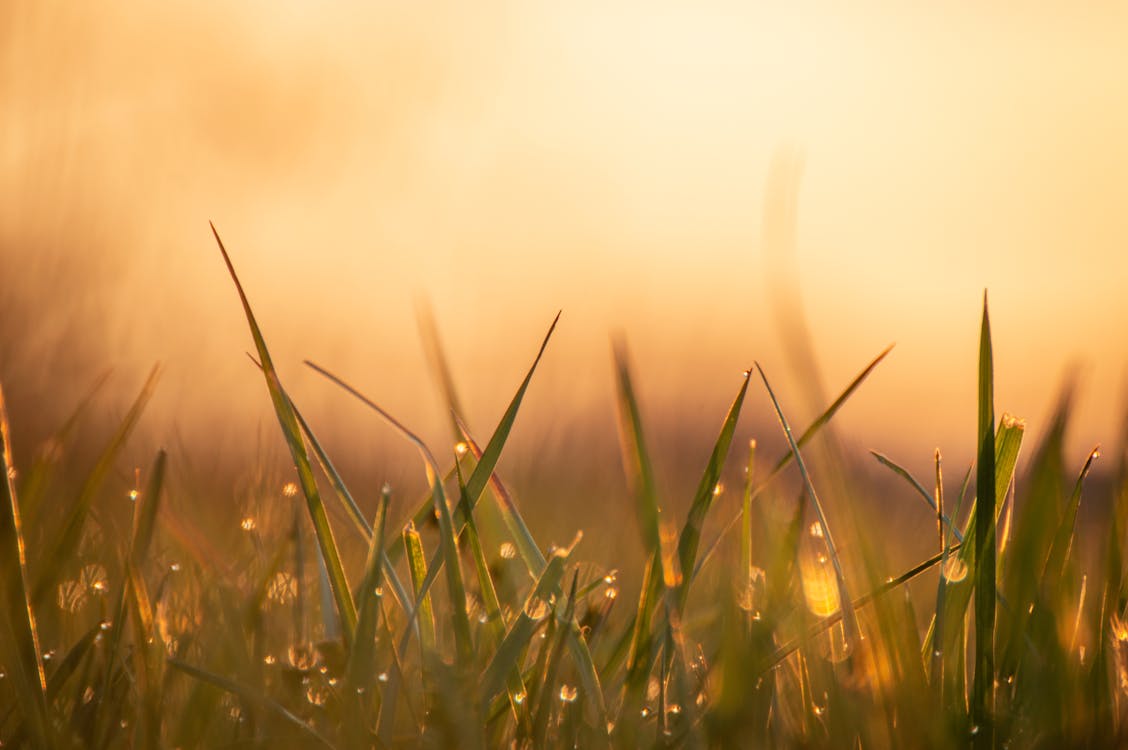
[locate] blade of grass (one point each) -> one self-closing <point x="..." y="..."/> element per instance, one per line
<point x="20" y="641"/>
<point x="359" y="668"/>
<point x="706" y="491"/>
<point x="292" y="432"/>
<point x="71" y="530"/>
<point x="983" y="683"/>
<point x="908" y="477"/>
<point x="808" y="434"/>
<point x="250" y="695"/>
<point x="640" y="475"/>
<point x="456" y="587"/>
<point x="516" y="641"/>
<point x="1063" y="538"/>
<point x="849" y="619"/>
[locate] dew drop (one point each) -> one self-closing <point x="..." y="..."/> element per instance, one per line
<point x="816" y="530"/>
<point x="461" y="447"/>
<point x="673" y="709"/>
<point x="718" y="488"/>
<point x="536" y="608"/>
<point x="382" y="677"/>
<point x="269" y="660"/>
<point x="289" y="489"/>
<point x="508" y="551"/>
<point x="174" y="568"/>
<point x="611" y="577"/>
<point x="568" y="693"/>
<point x="247" y="524"/>
<point x="645" y="713"/>
<point x="611" y="593"/>
<point x="519" y="698"/>
<point x="133" y="495"/>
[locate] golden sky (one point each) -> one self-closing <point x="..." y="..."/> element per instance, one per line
<point x="610" y="159"/>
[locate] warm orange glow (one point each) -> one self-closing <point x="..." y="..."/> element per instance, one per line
<point x="510" y="160"/>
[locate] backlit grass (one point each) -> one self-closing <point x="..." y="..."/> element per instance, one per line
<point x="456" y="627"/>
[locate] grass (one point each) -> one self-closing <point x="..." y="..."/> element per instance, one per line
<point x="455" y="627"/>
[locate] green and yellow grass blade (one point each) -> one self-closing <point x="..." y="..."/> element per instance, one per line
<point x="360" y="668"/>
<point x="71" y="531"/>
<point x="849" y="617"/>
<point x="19" y="644"/>
<point x="292" y="432"/>
<point x="985" y="542"/>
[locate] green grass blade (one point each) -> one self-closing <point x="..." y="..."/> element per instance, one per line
<point x="361" y="660"/>
<point x="707" y="490"/>
<point x="636" y="456"/>
<point x="292" y="432"/>
<point x="849" y="617"/>
<point x="252" y="696"/>
<point x="71" y="530"/>
<point x="516" y="641"/>
<point x="495" y="624"/>
<point x="821" y="421"/>
<point x="985" y="541"/>
<point x="19" y="644"/>
<point x="417" y="566"/>
<point x="908" y="477"/>
<point x="456" y="586"/>
<point x="1063" y="538"/>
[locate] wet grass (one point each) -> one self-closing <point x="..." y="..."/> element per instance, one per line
<point x="780" y="626"/>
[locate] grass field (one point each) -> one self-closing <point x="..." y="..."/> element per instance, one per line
<point x="455" y="627"/>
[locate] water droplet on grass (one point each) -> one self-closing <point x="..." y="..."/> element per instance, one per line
<point x="508" y="551"/>
<point x="568" y="693"/>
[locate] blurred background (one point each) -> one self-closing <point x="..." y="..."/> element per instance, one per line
<point x="687" y="176"/>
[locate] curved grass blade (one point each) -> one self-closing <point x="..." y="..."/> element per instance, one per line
<point x="20" y="642"/>
<point x="448" y="541"/>
<point x="983" y="684"/>
<point x="636" y="456"/>
<point x="908" y="477"/>
<point x="292" y="432"/>
<point x="71" y="531"/>
<point x="250" y="695"/>
<point x="849" y="617"/>
<point x="786" y="458"/>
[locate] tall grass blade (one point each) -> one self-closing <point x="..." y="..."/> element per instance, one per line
<point x="849" y="617"/>
<point x="983" y="683"/>
<point x="71" y="530"/>
<point x="292" y="432"/>
<point x="707" y="490"/>
<point x="360" y="667"/>
<point x="456" y="587"/>
<point x="1063" y="537"/>
<point x="808" y="434"/>
<point x="19" y="645"/>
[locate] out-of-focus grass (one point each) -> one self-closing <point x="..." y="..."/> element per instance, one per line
<point x="464" y="630"/>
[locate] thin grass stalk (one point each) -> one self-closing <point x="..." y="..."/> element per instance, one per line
<point x="20" y="641"/>
<point x="849" y="619"/>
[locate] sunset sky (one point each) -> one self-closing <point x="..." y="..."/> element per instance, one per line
<point x="506" y="160"/>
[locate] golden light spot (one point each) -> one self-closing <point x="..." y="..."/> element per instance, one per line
<point x="289" y="489"/>
<point x="820" y="589"/>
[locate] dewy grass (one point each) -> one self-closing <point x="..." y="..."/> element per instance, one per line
<point x="144" y="631"/>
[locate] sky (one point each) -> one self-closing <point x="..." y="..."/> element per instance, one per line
<point x="630" y="164"/>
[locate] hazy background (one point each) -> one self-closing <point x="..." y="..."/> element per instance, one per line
<point x="505" y="161"/>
